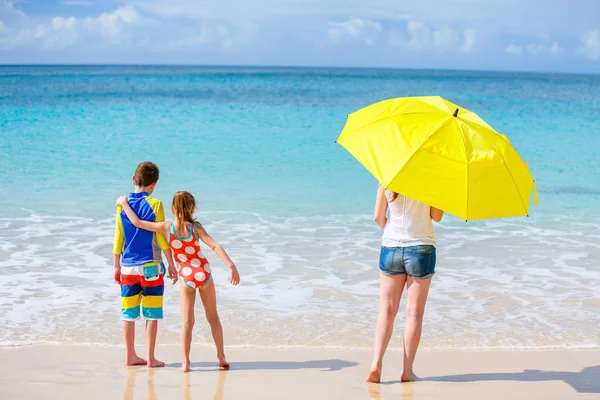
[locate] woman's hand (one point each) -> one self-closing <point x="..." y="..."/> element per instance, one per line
<point x="234" y="275"/>
<point x="121" y="201"/>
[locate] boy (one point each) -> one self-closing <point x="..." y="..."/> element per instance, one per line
<point x="138" y="264"/>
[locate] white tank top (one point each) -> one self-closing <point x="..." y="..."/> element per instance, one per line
<point x="409" y="223"/>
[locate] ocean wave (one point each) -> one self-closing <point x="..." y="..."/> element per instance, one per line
<point x="313" y="281"/>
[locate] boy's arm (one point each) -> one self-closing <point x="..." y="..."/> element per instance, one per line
<point x="119" y="241"/>
<point x="172" y="271"/>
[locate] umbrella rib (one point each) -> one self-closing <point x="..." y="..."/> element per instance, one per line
<point x="507" y="169"/>
<point x="416" y="150"/>
<point x="468" y="157"/>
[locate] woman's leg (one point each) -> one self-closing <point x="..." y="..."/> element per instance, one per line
<point x="415" y="308"/>
<point x="209" y="300"/>
<point x="187" y="298"/>
<point x="390" y="292"/>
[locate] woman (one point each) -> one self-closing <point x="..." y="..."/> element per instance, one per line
<point x="407" y="258"/>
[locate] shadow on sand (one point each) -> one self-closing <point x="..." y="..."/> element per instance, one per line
<point x="585" y="381"/>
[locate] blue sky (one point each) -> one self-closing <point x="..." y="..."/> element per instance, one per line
<point x="530" y="35"/>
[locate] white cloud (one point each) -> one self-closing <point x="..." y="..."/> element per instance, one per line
<point x="357" y="28"/>
<point x="514" y="49"/>
<point x="9" y="8"/>
<point x="470" y="40"/>
<point x="537" y="49"/>
<point x="82" y="3"/>
<point x="205" y="34"/>
<point x="3" y="27"/>
<point x="113" y="26"/>
<point x="591" y="45"/>
<point x="59" y="33"/>
<point x="62" y="32"/>
<point x="420" y="36"/>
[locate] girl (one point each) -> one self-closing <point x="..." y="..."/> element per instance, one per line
<point x="407" y="258"/>
<point x="194" y="271"/>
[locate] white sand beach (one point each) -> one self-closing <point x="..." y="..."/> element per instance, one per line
<point x="71" y="371"/>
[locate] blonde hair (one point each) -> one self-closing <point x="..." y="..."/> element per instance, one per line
<point x="184" y="205"/>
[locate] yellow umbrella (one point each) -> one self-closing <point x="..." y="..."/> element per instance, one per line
<point x="440" y="154"/>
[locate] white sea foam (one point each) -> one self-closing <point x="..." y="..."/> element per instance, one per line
<point x="314" y="282"/>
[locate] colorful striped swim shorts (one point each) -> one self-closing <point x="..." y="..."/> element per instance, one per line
<point x="142" y="285"/>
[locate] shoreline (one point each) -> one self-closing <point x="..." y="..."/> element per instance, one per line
<point x="65" y="371"/>
<point x="391" y="348"/>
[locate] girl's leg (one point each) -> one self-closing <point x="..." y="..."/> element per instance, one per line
<point x="415" y="308"/>
<point x="187" y="298"/>
<point x="390" y="292"/>
<point x="209" y="300"/>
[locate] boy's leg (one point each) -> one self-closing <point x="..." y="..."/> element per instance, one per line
<point x="131" y="295"/>
<point x="152" y="309"/>
<point x="131" y="358"/>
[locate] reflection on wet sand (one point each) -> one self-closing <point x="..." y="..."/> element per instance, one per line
<point x="128" y="393"/>
<point x="374" y="391"/>
<point x="219" y="391"/>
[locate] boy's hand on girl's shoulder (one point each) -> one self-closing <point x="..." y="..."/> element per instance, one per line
<point x="117" y="274"/>
<point x="234" y="275"/>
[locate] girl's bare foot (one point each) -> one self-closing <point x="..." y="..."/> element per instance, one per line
<point x="223" y="364"/>
<point x="154" y="363"/>
<point x="185" y="366"/>
<point x="409" y="377"/>
<point x="135" y="360"/>
<point x="375" y="374"/>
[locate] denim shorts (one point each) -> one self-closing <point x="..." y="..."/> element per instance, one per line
<point x="416" y="261"/>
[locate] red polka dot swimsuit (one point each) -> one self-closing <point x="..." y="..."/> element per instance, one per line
<point x="194" y="270"/>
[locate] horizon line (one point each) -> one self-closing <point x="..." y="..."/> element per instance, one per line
<point x="388" y="68"/>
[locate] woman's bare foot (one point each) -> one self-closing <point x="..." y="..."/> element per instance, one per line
<point x="135" y="360"/>
<point x="154" y="363"/>
<point x="374" y="376"/>
<point x="185" y="366"/>
<point x="223" y="364"/>
<point x="409" y="377"/>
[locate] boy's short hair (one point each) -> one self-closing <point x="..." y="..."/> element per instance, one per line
<point x="146" y="174"/>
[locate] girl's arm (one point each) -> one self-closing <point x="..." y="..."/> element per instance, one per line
<point x="161" y="227"/>
<point x="234" y="276"/>
<point x="381" y="205"/>
<point x="436" y="214"/>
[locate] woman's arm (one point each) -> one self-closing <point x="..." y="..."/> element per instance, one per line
<point x="381" y="206"/>
<point x="161" y="227"/>
<point x="234" y="276"/>
<point x="436" y="214"/>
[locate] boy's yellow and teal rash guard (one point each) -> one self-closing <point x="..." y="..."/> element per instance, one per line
<point x="139" y="247"/>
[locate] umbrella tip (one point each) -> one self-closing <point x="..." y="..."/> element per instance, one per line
<point x="455" y="113"/>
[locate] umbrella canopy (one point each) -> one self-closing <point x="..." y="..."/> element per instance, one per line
<point x="440" y="154"/>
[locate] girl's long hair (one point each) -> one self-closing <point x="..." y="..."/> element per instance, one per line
<point x="393" y="197"/>
<point x="184" y="205"/>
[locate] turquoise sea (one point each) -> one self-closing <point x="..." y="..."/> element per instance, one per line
<point x="256" y="147"/>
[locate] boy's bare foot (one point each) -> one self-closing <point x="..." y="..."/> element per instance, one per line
<point x="223" y="364"/>
<point x="409" y="377"/>
<point x="185" y="366"/>
<point x="154" y="363"/>
<point x="135" y="360"/>
<point x="374" y="376"/>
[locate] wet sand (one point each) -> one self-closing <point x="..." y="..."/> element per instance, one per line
<point x="72" y="372"/>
